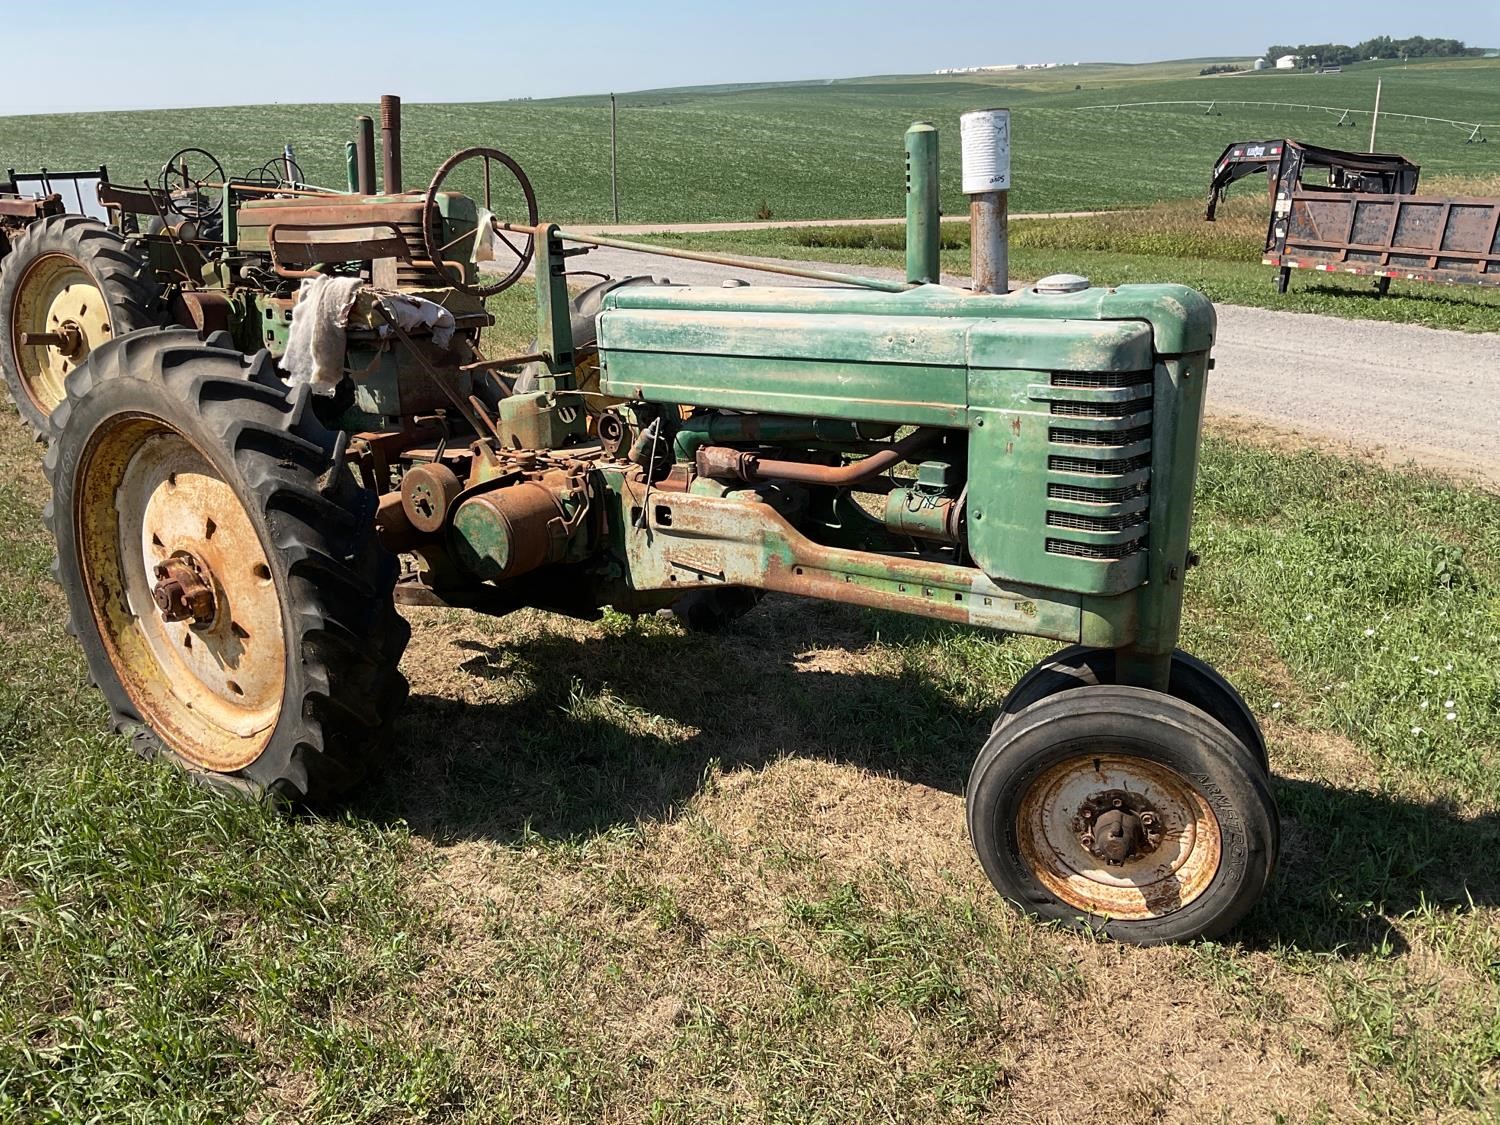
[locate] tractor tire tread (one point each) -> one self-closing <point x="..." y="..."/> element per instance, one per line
<point x="136" y="299"/>
<point x="345" y="688"/>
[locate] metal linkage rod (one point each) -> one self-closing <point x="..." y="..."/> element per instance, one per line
<point x="737" y="263"/>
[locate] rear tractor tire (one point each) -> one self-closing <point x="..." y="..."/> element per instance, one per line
<point x="1125" y="812"/>
<point x="77" y="283"/>
<point x="221" y="567"/>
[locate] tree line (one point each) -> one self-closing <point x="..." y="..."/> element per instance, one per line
<point x="1381" y="47"/>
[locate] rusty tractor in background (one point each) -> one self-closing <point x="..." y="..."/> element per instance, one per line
<point x="84" y="259"/>
<point x="1365" y="220"/>
<point x="235" y="529"/>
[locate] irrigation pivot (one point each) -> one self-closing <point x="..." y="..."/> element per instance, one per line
<point x="1474" y="129"/>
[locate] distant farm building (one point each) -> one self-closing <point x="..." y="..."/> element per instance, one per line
<point x="1288" y="62"/>
<point x="1258" y="64"/>
<point x="1000" y="67"/>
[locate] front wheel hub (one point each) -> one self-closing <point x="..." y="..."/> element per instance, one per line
<point x="1117" y="826"/>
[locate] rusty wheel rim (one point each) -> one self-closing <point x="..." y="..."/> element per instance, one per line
<point x="55" y="295"/>
<point x="1054" y="825"/>
<point x="150" y="505"/>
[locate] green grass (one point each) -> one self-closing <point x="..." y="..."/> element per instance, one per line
<point x="619" y="872"/>
<point x="1164" y="242"/>
<point x="820" y="150"/>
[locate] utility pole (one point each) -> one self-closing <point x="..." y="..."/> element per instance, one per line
<point x="614" y="161"/>
<point x="1375" y="117"/>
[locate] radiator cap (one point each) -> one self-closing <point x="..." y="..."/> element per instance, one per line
<point x="1063" y="283"/>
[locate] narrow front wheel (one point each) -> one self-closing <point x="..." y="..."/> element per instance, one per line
<point x="1124" y="811"/>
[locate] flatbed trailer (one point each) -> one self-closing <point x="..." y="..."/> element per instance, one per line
<point x="1415" y="238"/>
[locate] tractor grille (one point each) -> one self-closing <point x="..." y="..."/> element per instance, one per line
<point x="1100" y="468"/>
<point x="1095" y="495"/>
<point x="1098" y="465"/>
<point x="417" y="274"/>
<point x="1095" y="523"/>
<point x="1102" y="379"/>
<point x="1110" y="552"/>
<point x="1060" y="436"/>
<point x="1101" y="409"/>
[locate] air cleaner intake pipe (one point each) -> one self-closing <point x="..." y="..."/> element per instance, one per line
<point x="985" y="139"/>
<point x="364" y="155"/>
<point x="923" y="216"/>
<point x="390" y="141"/>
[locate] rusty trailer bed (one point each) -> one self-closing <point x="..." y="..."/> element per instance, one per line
<point x="1453" y="241"/>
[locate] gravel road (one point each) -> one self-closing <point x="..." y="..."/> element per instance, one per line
<point x="1401" y="392"/>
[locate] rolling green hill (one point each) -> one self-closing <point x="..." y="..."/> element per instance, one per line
<point x="826" y="149"/>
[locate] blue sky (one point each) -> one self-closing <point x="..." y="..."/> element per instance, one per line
<point x="457" y="50"/>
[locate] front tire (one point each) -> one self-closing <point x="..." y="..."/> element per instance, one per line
<point x="221" y="567"/>
<point x="1123" y="811"/>
<point x="1191" y="680"/>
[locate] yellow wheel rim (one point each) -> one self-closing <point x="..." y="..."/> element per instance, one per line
<point x="1059" y="810"/>
<point x="211" y="688"/>
<point x="55" y="295"/>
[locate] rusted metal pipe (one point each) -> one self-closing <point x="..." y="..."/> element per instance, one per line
<point x="985" y="139"/>
<point x="720" y="461"/>
<point x="724" y="260"/>
<point x="390" y="141"/>
<point x="989" y="242"/>
<point x="364" y="154"/>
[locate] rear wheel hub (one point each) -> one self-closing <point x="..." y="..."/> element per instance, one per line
<point x="182" y="593"/>
<point x="63" y="315"/>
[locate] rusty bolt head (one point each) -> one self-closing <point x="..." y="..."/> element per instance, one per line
<point x="1116" y="803"/>
<point x="1088" y="839"/>
<point x="1087" y="814"/>
<point x="1148" y="819"/>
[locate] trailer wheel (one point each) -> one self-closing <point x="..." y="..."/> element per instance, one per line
<point x="76" y="281"/>
<point x="1123" y="811"/>
<point x="221" y="567"/>
<point x="1192" y="681"/>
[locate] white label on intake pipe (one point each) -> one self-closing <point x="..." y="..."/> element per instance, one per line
<point x="985" y="138"/>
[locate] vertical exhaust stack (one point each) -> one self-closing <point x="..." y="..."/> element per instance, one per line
<point x="985" y="137"/>
<point x="390" y="141"/>
<point x="923" y="216"/>
<point x="364" y="155"/>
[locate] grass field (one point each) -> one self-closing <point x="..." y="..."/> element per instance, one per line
<point x="1163" y="242"/>
<point x="617" y="872"/>
<point x="822" y="150"/>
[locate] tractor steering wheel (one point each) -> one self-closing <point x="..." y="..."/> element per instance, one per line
<point x="432" y="226"/>
<point x="184" y="191"/>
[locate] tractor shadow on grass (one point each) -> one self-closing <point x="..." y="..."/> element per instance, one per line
<point x="603" y="733"/>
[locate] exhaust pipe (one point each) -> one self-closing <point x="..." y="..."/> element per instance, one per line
<point x="390" y="141"/>
<point x="985" y="138"/>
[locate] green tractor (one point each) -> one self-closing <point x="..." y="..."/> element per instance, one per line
<point x="235" y="534"/>
<point x="84" y="259"/>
